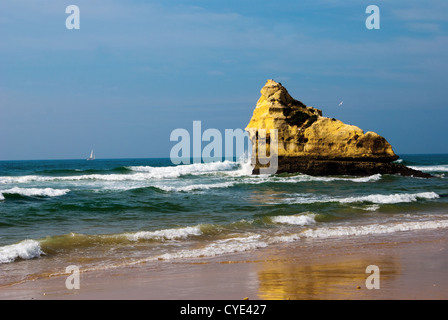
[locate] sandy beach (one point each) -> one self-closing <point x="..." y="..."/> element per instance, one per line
<point x="412" y="265"/>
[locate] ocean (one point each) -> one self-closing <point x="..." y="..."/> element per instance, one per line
<point x="105" y="214"/>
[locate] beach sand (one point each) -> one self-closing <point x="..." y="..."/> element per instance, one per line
<point x="412" y="265"/>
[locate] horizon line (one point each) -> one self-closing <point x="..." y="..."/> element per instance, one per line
<point x="145" y="158"/>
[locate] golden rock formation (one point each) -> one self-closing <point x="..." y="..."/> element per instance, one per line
<point x="304" y="141"/>
<point x="304" y="132"/>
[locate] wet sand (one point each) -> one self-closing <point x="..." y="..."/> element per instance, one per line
<point x="412" y="265"/>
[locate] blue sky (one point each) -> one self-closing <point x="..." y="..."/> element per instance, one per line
<point x="136" y="70"/>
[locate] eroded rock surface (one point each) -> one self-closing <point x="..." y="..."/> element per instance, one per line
<point x="313" y="144"/>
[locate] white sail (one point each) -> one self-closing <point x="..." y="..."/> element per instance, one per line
<point x="92" y="156"/>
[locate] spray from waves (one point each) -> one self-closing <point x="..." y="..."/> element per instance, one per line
<point x="195" y="168"/>
<point x="244" y="168"/>
<point x="34" y="192"/>
<point x="219" y="170"/>
<point x="26" y="249"/>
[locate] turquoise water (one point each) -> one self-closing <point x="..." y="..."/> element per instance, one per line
<point x="105" y="213"/>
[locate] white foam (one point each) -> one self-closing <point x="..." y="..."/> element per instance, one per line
<point x="372" y="198"/>
<point x="26" y="249"/>
<point x="19" y="179"/>
<point x="242" y="168"/>
<point x="307" y="178"/>
<point x="219" y="247"/>
<point x="256" y="241"/>
<point x="143" y="176"/>
<point x="373" y="207"/>
<point x="391" y="198"/>
<point x="363" y="230"/>
<point x="42" y="192"/>
<point x="260" y="179"/>
<point x="245" y="168"/>
<point x="1" y="197"/>
<point x="436" y="168"/>
<point x="284" y="238"/>
<point x="141" y="173"/>
<point x="166" y="234"/>
<point x="371" y="178"/>
<point x="300" y="220"/>
<point x="196" y="187"/>
<point x="179" y="170"/>
<point x="372" y="229"/>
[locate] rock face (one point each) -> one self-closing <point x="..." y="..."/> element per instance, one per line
<point x="312" y="144"/>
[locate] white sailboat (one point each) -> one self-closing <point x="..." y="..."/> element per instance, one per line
<point x="92" y="156"/>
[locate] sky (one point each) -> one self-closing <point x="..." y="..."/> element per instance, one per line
<point x="137" y="70"/>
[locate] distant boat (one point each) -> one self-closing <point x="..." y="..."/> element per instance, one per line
<point x="92" y="156"/>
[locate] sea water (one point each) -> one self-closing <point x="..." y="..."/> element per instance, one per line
<point x="107" y="213"/>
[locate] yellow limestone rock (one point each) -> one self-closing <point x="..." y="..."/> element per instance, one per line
<point x="304" y="133"/>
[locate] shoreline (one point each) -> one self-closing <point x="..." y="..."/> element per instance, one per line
<point x="412" y="265"/>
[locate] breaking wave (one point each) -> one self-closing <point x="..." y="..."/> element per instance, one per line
<point x="222" y="239"/>
<point x="372" y="198"/>
<point x="196" y="187"/>
<point x="166" y="234"/>
<point x="216" y="248"/>
<point x="372" y="229"/>
<point x="301" y="220"/>
<point x="26" y="249"/>
<point x="438" y="168"/>
<point x="138" y="173"/>
<point x="195" y="168"/>
<point x="33" y="192"/>
<point x="391" y="198"/>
